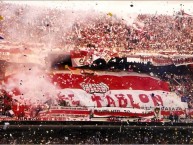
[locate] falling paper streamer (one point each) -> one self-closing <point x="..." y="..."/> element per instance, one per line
<point x="110" y="14"/>
<point x="1" y="18"/>
<point x="6" y="125"/>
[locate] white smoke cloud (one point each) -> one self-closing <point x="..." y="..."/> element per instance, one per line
<point x="34" y="85"/>
<point x="31" y="21"/>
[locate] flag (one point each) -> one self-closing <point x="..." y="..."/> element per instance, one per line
<point x="80" y="58"/>
<point x="138" y="26"/>
<point x="183" y="14"/>
<point x="186" y="14"/>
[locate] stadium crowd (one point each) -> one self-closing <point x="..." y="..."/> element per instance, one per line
<point x="102" y="33"/>
<point x="182" y="85"/>
<point x="99" y="31"/>
<point x="96" y="136"/>
<point x="148" y="32"/>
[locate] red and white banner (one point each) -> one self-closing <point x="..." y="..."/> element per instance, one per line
<point x="114" y="81"/>
<point x="112" y="94"/>
<point x="81" y="58"/>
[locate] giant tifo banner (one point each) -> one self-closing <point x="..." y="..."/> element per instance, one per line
<point x="100" y="94"/>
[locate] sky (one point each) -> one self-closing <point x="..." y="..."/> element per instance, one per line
<point x="153" y="7"/>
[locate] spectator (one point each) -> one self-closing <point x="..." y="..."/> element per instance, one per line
<point x="171" y="117"/>
<point x="176" y="118"/>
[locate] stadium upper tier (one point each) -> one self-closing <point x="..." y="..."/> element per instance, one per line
<point x="104" y="35"/>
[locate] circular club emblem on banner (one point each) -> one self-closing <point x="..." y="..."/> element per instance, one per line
<point x="94" y="88"/>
